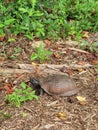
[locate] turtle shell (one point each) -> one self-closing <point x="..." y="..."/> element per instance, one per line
<point x="61" y="85"/>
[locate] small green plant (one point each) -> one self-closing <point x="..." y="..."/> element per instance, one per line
<point x="5" y="115"/>
<point x="92" y="47"/>
<point x="11" y="40"/>
<point x="21" y="95"/>
<point x="2" y="49"/>
<point x="41" y="53"/>
<point x="16" y="52"/>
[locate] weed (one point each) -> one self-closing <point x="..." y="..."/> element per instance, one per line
<point x="5" y="115"/>
<point x="24" y="114"/>
<point x="16" y="52"/>
<point x="2" y="49"/>
<point x="21" y="95"/>
<point x="92" y="47"/>
<point x="41" y="53"/>
<point x="11" y="40"/>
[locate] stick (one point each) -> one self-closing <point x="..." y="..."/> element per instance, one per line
<point x="53" y="66"/>
<point x="44" y="68"/>
<point x="12" y="71"/>
<point x="75" y="49"/>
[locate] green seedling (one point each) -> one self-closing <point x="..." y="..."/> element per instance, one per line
<point x="11" y="40"/>
<point x="5" y="115"/>
<point x="24" y="114"/>
<point x="16" y="52"/>
<point x="92" y="47"/>
<point x="2" y="49"/>
<point x="40" y="54"/>
<point x="21" y="95"/>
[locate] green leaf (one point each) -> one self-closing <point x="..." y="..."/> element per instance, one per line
<point x="33" y="56"/>
<point x="23" y="85"/>
<point x="23" y="10"/>
<point x="35" y="97"/>
<point x="95" y="44"/>
<point x="24" y="28"/>
<point x="1" y="25"/>
<point x="9" y="21"/>
<point x="11" y="40"/>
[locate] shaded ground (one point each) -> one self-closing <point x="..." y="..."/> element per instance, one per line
<point x="52" y="113"/>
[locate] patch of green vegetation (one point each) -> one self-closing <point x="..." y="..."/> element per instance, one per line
<point x="15" y="53"/>
<point x="21" y="95"/>
<point x="96" y="68"/>
<point x="41" y="54"/>
<point x="11" y="40"/>
<point x="2" y="49"/>
<point x="91" y="47"/>
<point x="94" y="47"/>
<point x="48" y="19"/>
<point x="5" y="115"/>
<point x="24" y="114"/>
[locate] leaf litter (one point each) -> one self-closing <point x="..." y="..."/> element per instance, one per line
<point x="78" y="112"/>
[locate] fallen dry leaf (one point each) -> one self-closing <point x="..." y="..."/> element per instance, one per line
<point x="66" y="70"/>
<point x="82" y="100"/>
<point x="34" y="64"/>
<point x="9" y="88"/>
<point x="95" y="62"/>
<point x="56" y="55"/>
<point x="47" y="42"/>
<point x="62" y="115"/>
<point x="1" y="38"/>
<point x="82" y="63"/>
<point x="89" y="56"/>
<point x="80" y="69"/>
<point x="20" y="57"/>
<point x="1" y="46"/>
<point x="85" y="34"/>
<point x="36" y="44"/>
<point x="2" y="58"/>
<point x="37" y="69"/>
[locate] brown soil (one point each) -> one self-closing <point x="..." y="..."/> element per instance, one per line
<point x="51" y="112"/>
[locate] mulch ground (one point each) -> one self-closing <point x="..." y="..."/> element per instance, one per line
<point x="51" y="112"/>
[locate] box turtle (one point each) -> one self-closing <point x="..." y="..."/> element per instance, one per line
<point x="55" y="84"/>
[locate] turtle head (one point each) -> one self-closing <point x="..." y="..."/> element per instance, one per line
<point x="35" y="83"/>
<point x="36" y="86"/>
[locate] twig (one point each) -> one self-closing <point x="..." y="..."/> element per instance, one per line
<point x="14" y="71"/>
<point x="53" y="66"/>
<point x="2" y="104"/>
<point x="29" y="109"/>
<point x="75" y="49"/>
<point x="44" y="68"/>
